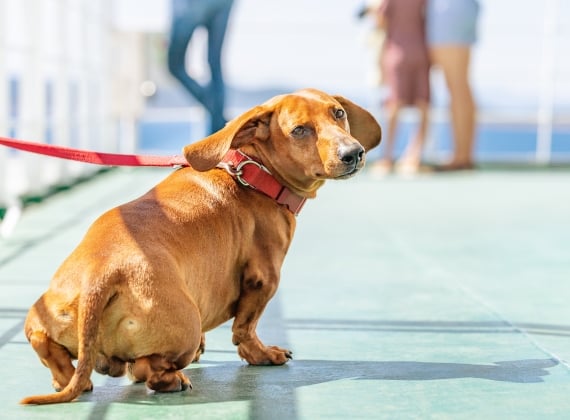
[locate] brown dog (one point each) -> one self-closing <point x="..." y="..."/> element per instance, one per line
<point x="202" y="247"/>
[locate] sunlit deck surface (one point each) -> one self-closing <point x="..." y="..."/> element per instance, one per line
<point x="436" y="296"/>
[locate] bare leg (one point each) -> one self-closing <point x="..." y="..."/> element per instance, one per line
<point x="384" y="165"/>
<point x="454" y="61"/>
<point x="412" y="157"/>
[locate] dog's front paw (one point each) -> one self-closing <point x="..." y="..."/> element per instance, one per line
<point x="263" y="355"/>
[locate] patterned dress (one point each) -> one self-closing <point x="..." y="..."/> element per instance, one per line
<point x="405" y="61"/>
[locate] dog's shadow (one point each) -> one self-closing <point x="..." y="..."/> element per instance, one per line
<point x="234" y="381"/>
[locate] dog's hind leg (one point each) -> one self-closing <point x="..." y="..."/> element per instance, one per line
<point x="161" y="374"/>
<point x="111" y="366"/>
<point x="176" y="348"/>
<point x="201" y="348"/>
<point x="56" y="358"/>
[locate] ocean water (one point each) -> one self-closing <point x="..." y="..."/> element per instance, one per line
<point x="494" y="141"/>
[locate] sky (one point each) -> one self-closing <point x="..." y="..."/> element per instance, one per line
<point x="520" y="62"/>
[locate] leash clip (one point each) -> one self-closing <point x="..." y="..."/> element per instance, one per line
<point x="259" y="178"/>
<point x="237" y="171"/>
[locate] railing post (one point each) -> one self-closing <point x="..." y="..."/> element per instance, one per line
<point x="546" y="93"/>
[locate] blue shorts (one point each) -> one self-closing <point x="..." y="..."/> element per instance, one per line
<point x="452" y="22"/>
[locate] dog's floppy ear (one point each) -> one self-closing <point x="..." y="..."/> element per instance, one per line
<point x="363" y="126"/>
<point x="245" y="129"/>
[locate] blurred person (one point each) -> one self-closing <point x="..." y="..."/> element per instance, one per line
<point x="405" y="70"/>
<point x="213" y="15"/>
<point x="376" y="37"/>
<point x="451" y="32"/>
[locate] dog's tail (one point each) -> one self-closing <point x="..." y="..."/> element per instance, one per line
<point x="79" y="382"/>
<point x="90" y="310"/>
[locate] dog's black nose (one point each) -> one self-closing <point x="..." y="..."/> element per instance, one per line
<point x="351" y="155"/>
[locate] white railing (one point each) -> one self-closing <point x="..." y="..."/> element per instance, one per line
<point x="57" y="79"/>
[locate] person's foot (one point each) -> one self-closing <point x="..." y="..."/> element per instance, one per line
<point x="408" y="166"/>
<point x="382" y="167"/>
<point x="413" y="169"/>
<point x="454" y="166"/>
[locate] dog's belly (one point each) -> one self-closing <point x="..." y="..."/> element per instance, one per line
<point x="213" y="320"/>
<point x="217" y="306"/>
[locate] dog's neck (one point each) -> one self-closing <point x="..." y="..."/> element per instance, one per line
<point x="251" y="173"/>
<point x="303" y="187"/>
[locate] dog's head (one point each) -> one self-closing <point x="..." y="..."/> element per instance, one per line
<point x="303" y="138"/>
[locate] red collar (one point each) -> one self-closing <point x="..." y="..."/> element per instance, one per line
<point x="253" y="174"/>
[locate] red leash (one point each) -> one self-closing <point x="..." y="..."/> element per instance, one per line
<point x="247" y="171"/>
<point x="97" y="158"/>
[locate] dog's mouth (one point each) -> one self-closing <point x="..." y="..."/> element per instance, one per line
<point x="349" y="173"/>
<point x="339" y="170"/>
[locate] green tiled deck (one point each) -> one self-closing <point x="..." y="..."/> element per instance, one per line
<point x="440" y="296"/>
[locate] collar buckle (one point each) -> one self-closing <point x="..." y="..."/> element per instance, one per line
<point x="258" y="177"/>
<point x="238" y="171"/>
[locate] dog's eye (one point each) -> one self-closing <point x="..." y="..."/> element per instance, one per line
<point x="339" y="113"/>
<point x="299" y="131"/>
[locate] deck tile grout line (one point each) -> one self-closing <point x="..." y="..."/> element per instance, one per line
<point x="425" y="261"/>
